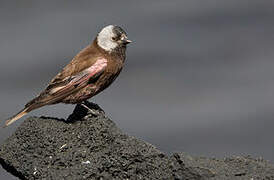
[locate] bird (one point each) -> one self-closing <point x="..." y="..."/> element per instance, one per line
<point x="91" y="71"/>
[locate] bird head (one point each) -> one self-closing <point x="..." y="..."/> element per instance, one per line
<point x="111" y="37"/>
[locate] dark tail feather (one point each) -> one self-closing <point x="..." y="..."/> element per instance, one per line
<point x="16" y="117"/>
<point x="41" y="100"/>
<point x="22" y="113"/>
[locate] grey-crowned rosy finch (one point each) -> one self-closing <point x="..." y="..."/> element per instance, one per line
<point x="91" y="71"/>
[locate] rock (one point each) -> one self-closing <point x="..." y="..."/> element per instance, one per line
<point x="87" y="146"/>
<point x="234" y="168"/>
<point x="83" y="147"/>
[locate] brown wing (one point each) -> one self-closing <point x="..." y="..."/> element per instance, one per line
<point x="84" y="66"/>
<point x="84" y="59"/>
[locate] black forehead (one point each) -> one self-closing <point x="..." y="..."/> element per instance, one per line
<point x="118" y="30"/>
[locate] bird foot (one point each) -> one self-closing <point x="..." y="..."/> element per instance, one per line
<point x="90" y="111"/>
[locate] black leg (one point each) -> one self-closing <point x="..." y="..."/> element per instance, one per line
<point x="91" y="111"/>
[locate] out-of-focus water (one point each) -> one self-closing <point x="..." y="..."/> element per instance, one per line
<point x="199" y="76"/>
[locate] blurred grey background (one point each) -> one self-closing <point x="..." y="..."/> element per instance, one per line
<point x="198" y="78"/>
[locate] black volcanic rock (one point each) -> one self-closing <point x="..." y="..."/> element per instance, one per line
<point x="87" y="146"/>
<point x="84" y="147"/>
<point x="233" y="168"/>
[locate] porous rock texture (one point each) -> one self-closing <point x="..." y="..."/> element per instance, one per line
<point x="88" y="146"/>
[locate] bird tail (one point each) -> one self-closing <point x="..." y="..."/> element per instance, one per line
<point x="16" y="117"/>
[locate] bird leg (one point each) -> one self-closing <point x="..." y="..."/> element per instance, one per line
<point x="91" y="111"/>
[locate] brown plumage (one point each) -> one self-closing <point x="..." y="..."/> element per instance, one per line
<point x="91" y="71"/>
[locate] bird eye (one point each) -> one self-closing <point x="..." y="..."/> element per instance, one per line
<point x="113" y="38"/>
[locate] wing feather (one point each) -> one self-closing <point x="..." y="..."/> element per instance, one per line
<point x="71" y="84"/>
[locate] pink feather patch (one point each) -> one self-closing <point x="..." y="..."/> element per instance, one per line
<point x="84" y="76"/>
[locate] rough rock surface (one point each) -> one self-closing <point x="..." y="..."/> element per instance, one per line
<point x="233" y="168"/>
<point x="87" y="146"/>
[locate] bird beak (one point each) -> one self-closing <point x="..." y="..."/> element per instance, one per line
<point x="125" y="40"/>
<point x="128" y="41"/>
